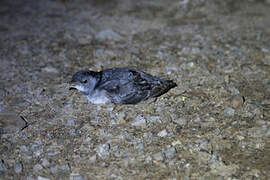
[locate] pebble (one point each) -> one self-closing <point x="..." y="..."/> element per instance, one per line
<point x="158" y="156"/>
<point x="11" y="123"/>
<point x="70" y="122"/>
<point x="154" y="119"/>
<point x="76" y="177"/>
<point x="79" y="177"/>
<point x="37" y="167"/>
<point x="85" y="40"/>
<point x="148" y="159"/>
<point x="170" y="153"/>
<point x="42" y="178"/>
<point x="23" y="148"/>
<point x="190" y="64"/>
<point x="72" y="132"/>
<point x="45" y="163"/>
<point x="139" y="121"/>
<point x="103" y="150"/>
<point x="50" y="70"/>
<point x="229" y="111"/>
<point x="65" y="167"/>
<point x="2" y="166"/>
<point x="53" y="169"/>
<point x="93" y="158"/>
<point x="108" y="35"/>
<point x="180" y="121"/>
<point x="1" y="106"/>
<point x="163" y="133"/>
<point x="18" y="167"/>
<point x="236" y="101"/>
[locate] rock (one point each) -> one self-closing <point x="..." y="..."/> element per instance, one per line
<point x="53" y="169"/>
<point x="108" y="35"/>
<point x="45" y="163"/>
<point x="229" y="111"/>
<point x="36" y="148"/>
<point x="180" y="121"/>
<point x="66" y="168"/>
<point x="163" y="133"/>
<point x="236" y="101"/>
<point x="148" y="159"/>
<point x="1" y="106"/>
<point x="139" y="121"/>
<point x="103" y="150"/>
<point x="23" y="148"/>
<point x="170" y="153"/>
<point x="72" y="132"/>
<point x="76" y="177"/>
<point x="158" y="156"/>
<point x="70" y="122"/>
<point x="190" y="64"/>
<point x="37" y="167"/>
<point x="85" y="40"/>
<point x="11" y="123"/>
<point x="154" y="119"/>
<point x="3" y="167"/>
<point x="50" y="70"/>
<point x="42" y="178"/>
<point x="18" y="167"/>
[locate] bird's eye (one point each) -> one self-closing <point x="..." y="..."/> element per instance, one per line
<point x="85" y="81"/>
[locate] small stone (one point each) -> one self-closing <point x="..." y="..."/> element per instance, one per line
<point x="23" y="148"/>
<point x="2" y="166"/>
<point x="72" y="132"/>
<point x="65" y="167"/>
<point x="236" y="101"/>
<point x="180" y="121"/>
<point x="190" y="64"/>
<point x="70" y="122"/>
<point x="45" y="163"/>
<point x="158" y="156"/>
<point x="18" y="167"/>
<point x="93" y="158"/>
<point x="103" y="150"/>
<point x="108" y="35"/>
<point x="163" y="133"/>
<point x="114" y="176"/>
<point x="110" y="109"/>
<point x="85" y="40"/>
<point x="170" y="153"/>
<point x="37" y="167"/>
<point x="53" y="169"/>
<point x="229" y="111"/>
<point x="1" y="106"/>
<point x="177" y="142"/>
<point x="11" y="123"/>
<point x="139" y="121"/>
<point x="154" y="119"/>
<point x="148" y="159"/>
<point x="50" y="70"/>
<point x="76" y="176"/>
<point x="42" y="178"/>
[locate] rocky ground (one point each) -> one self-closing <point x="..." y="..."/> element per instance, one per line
<point x="214" y="125"/>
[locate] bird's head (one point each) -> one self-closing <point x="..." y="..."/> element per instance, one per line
<point x="85" y="81"/>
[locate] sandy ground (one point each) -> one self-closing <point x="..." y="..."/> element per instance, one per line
<point x="214" y="125"/>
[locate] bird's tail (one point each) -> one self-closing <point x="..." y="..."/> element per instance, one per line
<point x="163" y="88"/>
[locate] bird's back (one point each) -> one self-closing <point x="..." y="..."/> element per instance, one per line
<point x="129" y="86"/>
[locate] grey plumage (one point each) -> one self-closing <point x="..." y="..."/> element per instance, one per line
<point x="119" y="85"/>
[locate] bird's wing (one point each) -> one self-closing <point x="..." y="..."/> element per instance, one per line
<point x="125" y="91"/>
<point x="128" y="86"/>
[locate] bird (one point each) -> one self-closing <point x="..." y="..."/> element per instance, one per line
<point x="119" y="85"/>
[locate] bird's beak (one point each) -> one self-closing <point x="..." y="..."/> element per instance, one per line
<point x="72" y="85"/>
